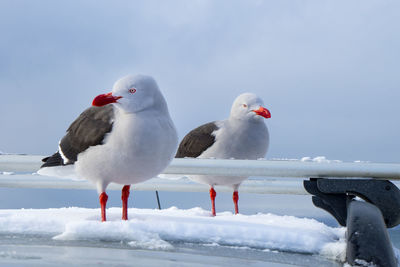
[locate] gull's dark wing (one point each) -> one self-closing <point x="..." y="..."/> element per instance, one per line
<point x="89" y="129"/>
<point x="197" y="141"/>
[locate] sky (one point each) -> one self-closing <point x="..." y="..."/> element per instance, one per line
<point x="327" y="70"/>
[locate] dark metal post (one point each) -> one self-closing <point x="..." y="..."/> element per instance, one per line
<point x="158" y="200"/>
<point x="367" y="237"/>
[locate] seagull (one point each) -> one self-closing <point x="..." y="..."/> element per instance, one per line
<point x="243" y="135"/>
<point x="125" y="137"/>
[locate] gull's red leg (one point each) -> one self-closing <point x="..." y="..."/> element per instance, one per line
<point x="124" y="198"/>
<point x="103" y="201"/>
<point x="213" y="194"/>
<point x="235" y="198"/>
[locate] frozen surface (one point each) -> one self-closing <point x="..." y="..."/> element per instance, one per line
<point x="77" y="255"/>
<point x="159" y="229"/>
<point x="41" y="249"/>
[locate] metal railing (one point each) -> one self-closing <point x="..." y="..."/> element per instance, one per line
<point x="267" y="176"/>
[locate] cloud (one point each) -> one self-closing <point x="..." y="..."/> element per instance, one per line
<point x="326" y="70"/>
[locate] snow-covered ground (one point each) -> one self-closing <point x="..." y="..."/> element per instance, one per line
<point x="153" y="229"/>
<point x="160" y="229"/>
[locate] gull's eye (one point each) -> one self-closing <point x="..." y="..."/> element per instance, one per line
<point x="244" y="105"/>
<point x="132" y="90"/>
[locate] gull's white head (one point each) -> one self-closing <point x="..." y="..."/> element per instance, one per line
<point x="132" y="94"/>
<point x="249" y="106"/>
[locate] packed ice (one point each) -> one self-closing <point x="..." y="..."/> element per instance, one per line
<point x="159" y="229"/>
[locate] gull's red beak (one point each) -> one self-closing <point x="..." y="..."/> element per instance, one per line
<point x="263" y="112"/>
<point x="105" y="99"/>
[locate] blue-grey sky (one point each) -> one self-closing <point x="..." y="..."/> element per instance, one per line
<point x="327" y="70"/>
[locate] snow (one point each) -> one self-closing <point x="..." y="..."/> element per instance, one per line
<point x="159" y="229"/>
<point x="319" y="159"/>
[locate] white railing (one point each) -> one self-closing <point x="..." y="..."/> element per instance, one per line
<point x="278" y="176"/>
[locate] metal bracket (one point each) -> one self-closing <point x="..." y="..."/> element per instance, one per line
<point x="333" y="195"/>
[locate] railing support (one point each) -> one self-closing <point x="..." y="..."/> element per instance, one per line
<point x="367" y="237"/>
